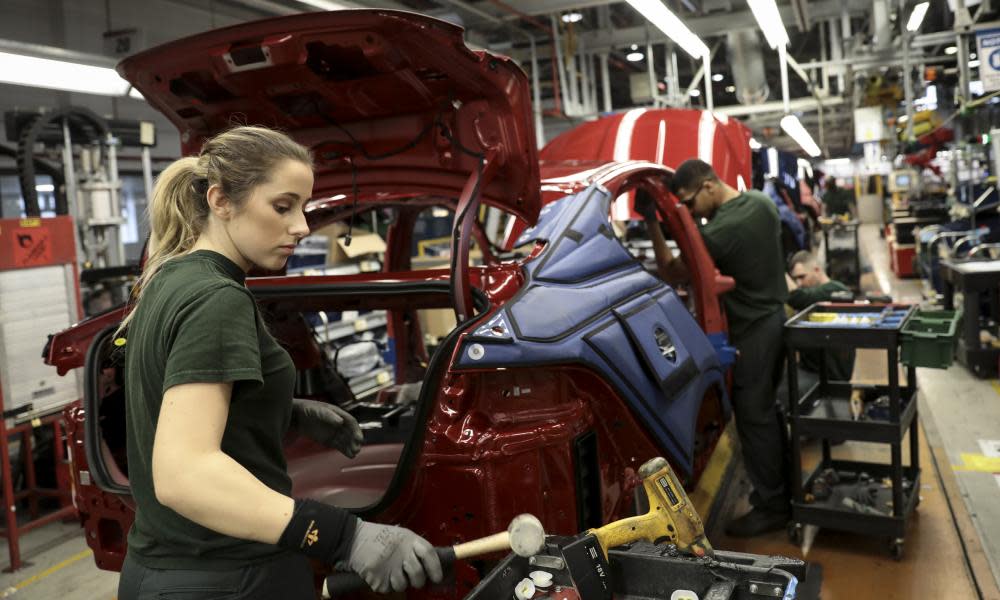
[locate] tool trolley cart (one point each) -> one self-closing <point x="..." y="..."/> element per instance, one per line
<point x="860" y="497"/>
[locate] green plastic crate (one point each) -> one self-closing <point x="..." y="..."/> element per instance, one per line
<point x="929" y="338"/>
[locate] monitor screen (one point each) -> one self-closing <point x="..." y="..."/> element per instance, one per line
<point x="903" y="181"/>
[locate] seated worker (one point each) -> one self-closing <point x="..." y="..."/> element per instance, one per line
<point x="743" y="236"/>
<point x="808" y="284"/>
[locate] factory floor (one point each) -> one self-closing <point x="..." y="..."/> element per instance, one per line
<point x="952" y="547"/>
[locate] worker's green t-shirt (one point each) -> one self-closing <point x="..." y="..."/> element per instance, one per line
<point x="839" y="362"/>
<point x="197" y="323"/>
<point x="744" y="239"/>
<point x="802" y="298"/>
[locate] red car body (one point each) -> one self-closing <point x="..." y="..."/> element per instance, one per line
<point x="402" y="115"/>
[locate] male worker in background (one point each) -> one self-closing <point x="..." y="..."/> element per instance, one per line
<point x="743" y="235"/>
<point x="838" y="200"/>
<point x="808" y="284"/>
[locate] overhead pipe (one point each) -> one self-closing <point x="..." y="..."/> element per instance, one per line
<point x="536" y="100"/>
<point x="558" y="61"/>
<point x="783" y="62"/>
<point x="605" y="82"/>
<point x="651" y="73"/>
<point x="823" y="74"/>
<point x="676" y="72"/>
<point x="552" y="32"/>
<point x="880" y="23"/>
<point x="586" y="79"/>
<point x="908" y="84"/>
<point x="592" y="86"/>
<point x="668" y="74"/>
<point x="837" y="53"/>
<point x="815" y="92"/>
<point x="746" y="59"/>
<point x="707" y="65"/>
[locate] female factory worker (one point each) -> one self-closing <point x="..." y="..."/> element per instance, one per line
<point x="209" y="397"/>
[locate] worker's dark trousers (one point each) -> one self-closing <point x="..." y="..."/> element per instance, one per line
<point x="286" y="578"/>
<point x="757" y="369"/>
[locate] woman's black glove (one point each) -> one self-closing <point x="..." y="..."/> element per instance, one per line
<point x="327" y="424"/>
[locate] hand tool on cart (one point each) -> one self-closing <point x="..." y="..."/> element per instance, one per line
<point x="525" y="536"/>
<point x="670" y="517"/>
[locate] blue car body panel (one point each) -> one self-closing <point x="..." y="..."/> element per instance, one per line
<point x="587" y="301"/>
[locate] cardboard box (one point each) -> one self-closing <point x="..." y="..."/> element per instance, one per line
<point x="437" y="322"/>
<point x="363" y="243"/>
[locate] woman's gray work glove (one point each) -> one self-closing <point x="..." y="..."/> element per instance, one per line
<point x="327" y="424"/>
<point x="391" y="558"/>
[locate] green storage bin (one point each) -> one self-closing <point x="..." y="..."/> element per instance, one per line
<point x="928" y="338"/>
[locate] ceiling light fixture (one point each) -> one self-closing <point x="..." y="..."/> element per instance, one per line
<point x="667" y="22"/>
<point x="917" y="16"/>
<point x="45" y="187"/>
<point x="769" y="20"/>
<point x="717" y="77"/>
<point x="572" y="17"/>
<point x="950" y="50"/>
<point x="695" y="92"/>
<point x="731" y="89"/>
<point x="973" y="64"/>
<point x="324" y="4"/>
<point x="634" y="56"/>
<point x="34" y="71"/>
<point x="793" y="127"/>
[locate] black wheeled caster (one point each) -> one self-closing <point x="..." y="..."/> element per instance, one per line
<point x="896" y="548"/>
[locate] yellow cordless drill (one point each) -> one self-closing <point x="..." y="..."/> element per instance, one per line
<point x="670" y="517"/>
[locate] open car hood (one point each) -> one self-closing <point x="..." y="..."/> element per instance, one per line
<point x="392" y="100"/>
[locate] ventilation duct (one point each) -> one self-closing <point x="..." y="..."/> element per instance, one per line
<point x="747" y="62"/>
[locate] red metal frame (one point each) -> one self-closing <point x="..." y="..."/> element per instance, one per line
<point x="25" y="244"/>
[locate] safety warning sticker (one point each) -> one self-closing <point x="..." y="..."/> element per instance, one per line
<point x="32" y="247"/>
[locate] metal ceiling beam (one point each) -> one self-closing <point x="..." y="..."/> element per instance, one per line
<point x="797" y="105"/>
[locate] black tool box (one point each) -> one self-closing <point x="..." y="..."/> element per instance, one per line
<point x="580" y="571"/>
<point x="861" y="497"/>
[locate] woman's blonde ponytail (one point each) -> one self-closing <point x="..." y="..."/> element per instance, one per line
<point x="176" y="217"/>
<point x="236" y="160"/>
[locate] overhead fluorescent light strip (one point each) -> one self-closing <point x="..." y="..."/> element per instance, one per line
<point x="19" y="69"/>
<point x="671" y="26"/>
<point x="324" y="4"/>
<point x="769" y="20"/>
<point x="793" y="127"/>
<point x="917" y="16"/>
